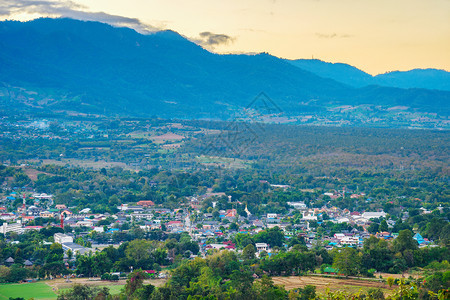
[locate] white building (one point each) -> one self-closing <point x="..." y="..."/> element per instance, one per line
<point x="14" y="227"/>
<point x="43" y="196"/>
<point x="272" y="216"/>
<point x="297" y="205"/>
<point x="310" y="216"/>
<point x="261" y="247"/>
<point x="62" y="238"/>
<point x="373" y="215"/>
<point x="350" y="240"/>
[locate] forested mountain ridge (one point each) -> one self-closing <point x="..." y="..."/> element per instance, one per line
<point x="417" y="78"/>
<point x="70" y="65"/>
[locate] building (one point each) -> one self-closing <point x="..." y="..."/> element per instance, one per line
<point x="373" y="215"/>
<point x="75" y="248"/>
<point x="261" y="247"/>
<point x="46" y="214"/>
<point x="298" y="205"/>
<point x="146" y="203"/>
<point x="62" y="238"/>
<point x="43" y="196"/>
<point x="14" y="227"/>
<point x="309" y="216"/>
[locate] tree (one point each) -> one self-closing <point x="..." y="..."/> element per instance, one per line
<point x="383" y="226"/>
<point x="139" y="251"/>
<point x="249" y="252"/>
<point x="373" y="228"/>
<point x="135" y="282"/>
<point x="348" y="261"/>
<point x="234" y="226"/>
<point x="84" y="292"/>
<point x="405" y="241"/>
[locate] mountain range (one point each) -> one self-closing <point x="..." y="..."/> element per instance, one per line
<point x="417" y="78"/>
<point x="63" y="65"/>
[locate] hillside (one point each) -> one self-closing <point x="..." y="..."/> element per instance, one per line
<point x="68" y="65"/>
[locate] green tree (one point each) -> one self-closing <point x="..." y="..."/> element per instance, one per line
<point x="405" y="241"/>
<point x="135" y="282"/>
<point x="84" y="292"/>
<point x="383" y="226"/>
<point x="348" y="261"/>
<point x="139" y="252"/>
<point x="249" y="252"/>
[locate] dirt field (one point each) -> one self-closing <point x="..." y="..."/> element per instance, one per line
<point x="96" y="165"/>
<point x="334" y="284"/>
<point x="167" y="137"/>
<point x="398" y="276"/>
<point x="33" y="173"/>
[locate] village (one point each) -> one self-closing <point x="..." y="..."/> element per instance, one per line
<point x="211" y="230"/>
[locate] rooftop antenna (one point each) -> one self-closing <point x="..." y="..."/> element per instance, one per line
<point x="23" y="208"/>
<point x="62" y="220"/>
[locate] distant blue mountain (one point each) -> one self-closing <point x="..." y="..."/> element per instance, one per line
<point x="347" y="74"/>
<point x="338" y="71"/>
<point x="94" y="67"/>
<point x="417" y="78"/>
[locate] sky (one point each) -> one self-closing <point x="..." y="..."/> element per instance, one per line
<point x="376" y="36"/>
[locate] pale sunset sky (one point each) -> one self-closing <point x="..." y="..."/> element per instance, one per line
<point x="376" y="36"/>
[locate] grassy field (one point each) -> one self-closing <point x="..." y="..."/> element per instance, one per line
<point x="36" y="290"/>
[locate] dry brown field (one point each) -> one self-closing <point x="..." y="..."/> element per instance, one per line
<point x="333" y="284"/>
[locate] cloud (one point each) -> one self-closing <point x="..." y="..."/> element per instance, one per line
<point x="332" y="35"/>
<point x="69" y="9"/>
<point x="213" y="39"/>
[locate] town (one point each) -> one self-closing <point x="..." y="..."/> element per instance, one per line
<point x="215" y="229"/>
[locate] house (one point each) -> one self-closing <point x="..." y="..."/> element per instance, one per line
<point x="34" y="211"/>
<point x="60" y="206"/>
<point x="350" y="240"/>
<point x="28" y="263"/>
<point x="175" y="225"/>
<point x="66" y="212"/>
<point x="46" y="214"/>
<point x="146" y="203"/>
<point x="9" y="261"/>
<point x="420" y="240"/>
<point x="339" y="236"/>
<point x="331" y="271"/>
<point x="261" y="247"/>
<point x="151" y="273"/>
<point x="231" y="213"/>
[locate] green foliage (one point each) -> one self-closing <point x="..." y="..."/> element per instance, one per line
<point x="348" y="261"/>
<point x="84" y="292"/>
<point x="248" y="252"/>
